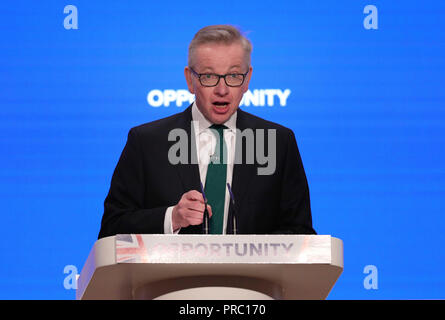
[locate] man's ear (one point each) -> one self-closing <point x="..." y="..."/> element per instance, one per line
<point x="247" y="80"/>
<point x="188" y="79"/>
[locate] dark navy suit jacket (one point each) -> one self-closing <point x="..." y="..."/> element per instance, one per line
<point x="145" y="183"/>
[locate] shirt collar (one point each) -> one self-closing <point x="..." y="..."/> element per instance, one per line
<point x="204" y="124"/>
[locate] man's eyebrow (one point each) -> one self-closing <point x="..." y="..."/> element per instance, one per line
<point x="205" y="69"/>
<point x="210" y="69"/>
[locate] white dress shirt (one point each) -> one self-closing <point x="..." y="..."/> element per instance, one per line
<point x="205" y="147"/>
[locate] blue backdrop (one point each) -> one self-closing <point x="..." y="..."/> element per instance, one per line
<point x="367" y="107"/>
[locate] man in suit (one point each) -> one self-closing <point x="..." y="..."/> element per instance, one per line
<point x="156" y="186"/>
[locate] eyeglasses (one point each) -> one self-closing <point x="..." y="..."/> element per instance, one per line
<point x="212" y="79"/>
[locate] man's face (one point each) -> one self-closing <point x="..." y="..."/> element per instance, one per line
<point x="218" y="103"/>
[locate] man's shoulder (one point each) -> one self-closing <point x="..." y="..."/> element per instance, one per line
<point x="255" y="122"/>
<point x="161" y="126"/>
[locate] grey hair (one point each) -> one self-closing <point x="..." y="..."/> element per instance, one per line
<point x="221" y="33"/>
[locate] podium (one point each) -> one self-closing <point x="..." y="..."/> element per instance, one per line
<point x="205" y="267"/>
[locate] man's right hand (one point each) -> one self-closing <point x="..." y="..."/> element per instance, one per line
<point x="189" y="210"/>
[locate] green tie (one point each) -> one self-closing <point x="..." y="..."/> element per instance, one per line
<point x="215" y="186"/>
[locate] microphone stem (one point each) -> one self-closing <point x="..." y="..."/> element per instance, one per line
<point x="234" y="223"/>
<point x="206" y="221"/>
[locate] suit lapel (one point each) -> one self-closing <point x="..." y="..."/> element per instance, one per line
<point x="242" y="172"/>
<point x="189" y="172"/>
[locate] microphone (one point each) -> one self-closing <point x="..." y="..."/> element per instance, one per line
<point x="205" y="224"/>
<point x="232" y="198"/>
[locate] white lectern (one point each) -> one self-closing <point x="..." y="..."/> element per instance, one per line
<point x="221" y="267"/>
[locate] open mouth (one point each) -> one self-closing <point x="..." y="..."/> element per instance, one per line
<point x="220" y="107"/>
<point x="220" y="104"/>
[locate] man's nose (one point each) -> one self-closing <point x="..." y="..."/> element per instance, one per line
<point x="221" y="89"/>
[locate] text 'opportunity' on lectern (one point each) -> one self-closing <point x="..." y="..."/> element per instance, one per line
<point x="221" y="267"/>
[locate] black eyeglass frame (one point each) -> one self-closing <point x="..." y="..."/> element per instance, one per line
<point x="199" y="75"/>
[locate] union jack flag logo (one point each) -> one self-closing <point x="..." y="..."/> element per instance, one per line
<point x="130" y="248"/>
